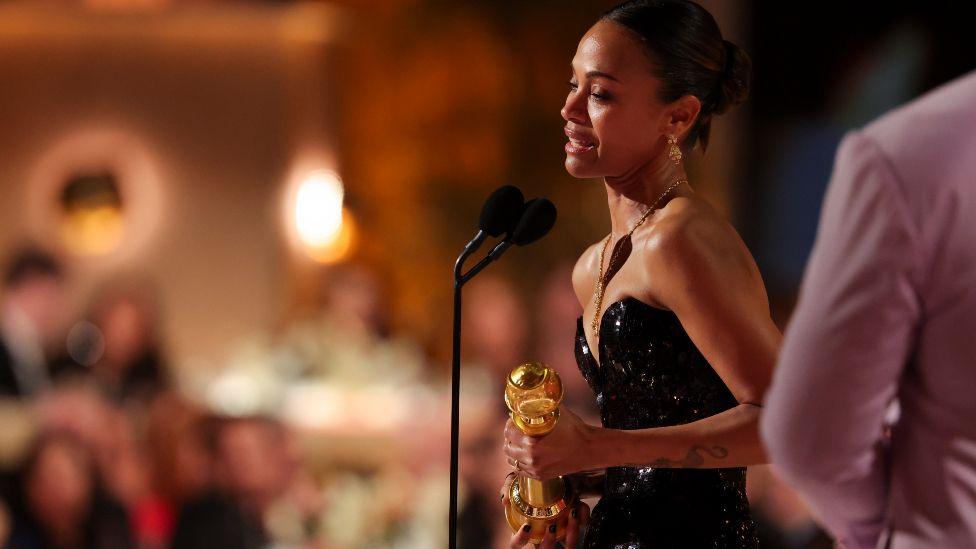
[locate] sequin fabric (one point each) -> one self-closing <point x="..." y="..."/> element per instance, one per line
<point x="650" y="374"/>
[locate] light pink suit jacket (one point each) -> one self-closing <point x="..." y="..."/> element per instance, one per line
<point x="886" y="320"/>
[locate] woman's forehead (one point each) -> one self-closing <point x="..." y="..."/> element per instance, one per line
<point x="611" y="49"/>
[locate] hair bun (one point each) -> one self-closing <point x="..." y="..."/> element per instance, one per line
<point x="689" y="56"/>
<point x="734" y="82"/>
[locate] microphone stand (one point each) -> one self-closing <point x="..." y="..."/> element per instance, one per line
<point x="459" y="281"/>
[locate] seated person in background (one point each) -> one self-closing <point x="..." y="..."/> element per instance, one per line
<point x="251" y="468"/>
<point x="61" y="504"/>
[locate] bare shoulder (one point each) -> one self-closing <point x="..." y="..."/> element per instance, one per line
<point x="692" y="238"/>
<point x="689" y="221"/>
<point x="584" y="272"/>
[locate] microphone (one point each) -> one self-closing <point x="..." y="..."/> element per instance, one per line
<point x="538" y="218"/>
<point x="500" y="213"/>
<point x="502" y="210"/>
<point x="522" y="223"/>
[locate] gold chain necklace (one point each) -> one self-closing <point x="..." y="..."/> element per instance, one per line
<point x="602" y="284"/>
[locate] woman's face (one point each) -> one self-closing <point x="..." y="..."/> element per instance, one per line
<point x="59" y="485"/>
<point x="614" y="120"/>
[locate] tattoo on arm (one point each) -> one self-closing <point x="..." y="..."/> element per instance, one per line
<point x="693" y="458"/>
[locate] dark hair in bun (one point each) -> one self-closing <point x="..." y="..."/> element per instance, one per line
<point x="689" y="56"/>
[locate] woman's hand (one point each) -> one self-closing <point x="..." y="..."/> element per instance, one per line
<point x="578" y="517"/>
<point x="567" y="449"/>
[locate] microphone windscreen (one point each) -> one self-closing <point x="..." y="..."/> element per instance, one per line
<point x="501" y="211"/>
<point x="538" y="218"/>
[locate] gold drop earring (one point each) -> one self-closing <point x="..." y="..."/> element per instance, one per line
<point x="675" y="152"/>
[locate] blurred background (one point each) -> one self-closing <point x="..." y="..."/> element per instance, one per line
<point x="228" y="232"/>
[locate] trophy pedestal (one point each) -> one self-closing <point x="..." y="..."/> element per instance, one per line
<point x="539" y="504"/>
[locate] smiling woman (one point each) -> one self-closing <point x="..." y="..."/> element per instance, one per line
<point x="682" y="354"/>
<point x="688" y="62"/>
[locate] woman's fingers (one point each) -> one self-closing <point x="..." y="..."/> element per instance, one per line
<point x="572" y="529"/>
<point x="583" y="514"/>
<point x="578" y="517"/>
<point x="549" y="541"/>
<point x="520" y="538"/>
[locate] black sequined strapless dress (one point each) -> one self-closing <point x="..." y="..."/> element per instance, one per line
<point x="650" y="374"/>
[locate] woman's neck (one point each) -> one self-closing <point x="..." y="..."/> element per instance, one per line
<point x="631" y="194"/>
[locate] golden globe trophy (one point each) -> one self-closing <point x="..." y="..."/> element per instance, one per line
<point x="533" y="392"/>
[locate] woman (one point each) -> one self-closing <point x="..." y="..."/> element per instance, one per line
<point x="61" y="504"/>
<point x="121" y="349"/>
<point x="676" y="339"/>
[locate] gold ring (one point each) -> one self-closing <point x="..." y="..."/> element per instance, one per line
<point x="517" y="468"/>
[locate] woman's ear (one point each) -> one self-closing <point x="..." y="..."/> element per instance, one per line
<point x="681" y="115"/>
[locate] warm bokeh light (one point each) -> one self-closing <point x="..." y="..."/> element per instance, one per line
<point x="318" y="208"/>
<point x="324" y="229"/>
<point x="338" y="247"/>
<point x="96" y="191"/>
<point x="92" y="231"/>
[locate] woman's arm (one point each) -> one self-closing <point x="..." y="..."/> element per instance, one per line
<point x="728" y="439"/>
<point x="588" y="483"/>
<point x="702" y="271"/>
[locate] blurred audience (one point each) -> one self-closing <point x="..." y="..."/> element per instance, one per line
<point x="120" y="459"/>
<point x="118" y="344"/>
<point x="61" y="503"/>
<point x="496" y="334"/>
<point x="355" y="293"/>
<point x="347" y="338"/>
<point x="481" y="520"/>
<point x="180" y="463"/>
<point x="557" y="311"/>
<point x="252" y="468"/>
<point x="30" y="316"/>
<point x="109" y="437"/>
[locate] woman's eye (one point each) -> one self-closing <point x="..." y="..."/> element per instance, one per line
<point x="573" y="86"/>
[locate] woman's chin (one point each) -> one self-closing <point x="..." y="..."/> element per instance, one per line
<point x="579" y="170"/>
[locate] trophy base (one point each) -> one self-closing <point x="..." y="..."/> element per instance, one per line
<point x="519" y="512"/>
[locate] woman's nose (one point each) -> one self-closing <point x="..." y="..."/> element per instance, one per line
<point x="572" y="110"/>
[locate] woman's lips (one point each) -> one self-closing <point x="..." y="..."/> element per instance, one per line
<point x="577" y="142"/>
<point x="575" y="148"/>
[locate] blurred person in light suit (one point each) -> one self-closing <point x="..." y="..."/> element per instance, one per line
<point x="870" y="413"/>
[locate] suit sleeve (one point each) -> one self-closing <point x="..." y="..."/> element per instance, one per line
<point x="846" y="346"/>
